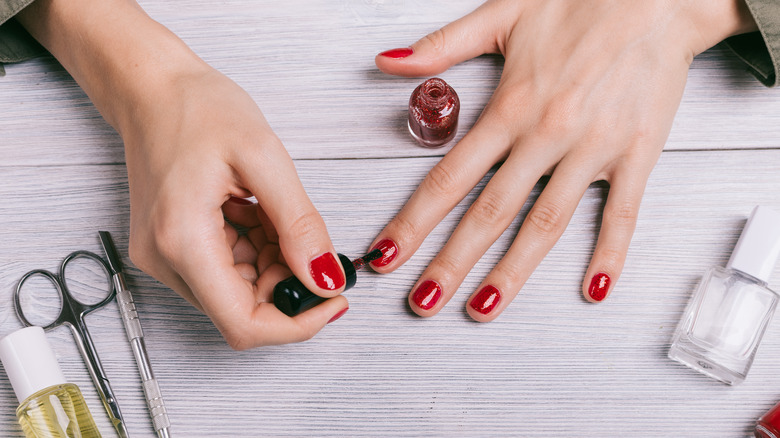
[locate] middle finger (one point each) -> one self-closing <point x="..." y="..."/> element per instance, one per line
<point x="444" y="186"/>
<point x="492" y="212"/>
<point x="541" y="229"/>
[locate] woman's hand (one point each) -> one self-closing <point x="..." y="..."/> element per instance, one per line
<point x="196" y="146"/>
<point x="194" y="160"/>
<point x="588" y="92"/>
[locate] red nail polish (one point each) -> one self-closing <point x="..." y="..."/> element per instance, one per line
<point x="338" y="315"/>
<point x="240" y="201"/>
<point x="433" y="113"/>
<point x="486" y="300"/>
<point x="427" y="295"/>
<point x="599" y="286"/>
<point x="768" y="425"/>
<point x="397" y="53"/>
<point x="326" y="272"/>
<point x="389" y="251"/>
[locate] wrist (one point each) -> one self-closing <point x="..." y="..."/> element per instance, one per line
<point x="716" y="20"/>
<point x="119" y="56"/>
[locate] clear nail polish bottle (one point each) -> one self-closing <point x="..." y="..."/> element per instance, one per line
<point x="49" y="406"/>
<point x="728" y="313"/>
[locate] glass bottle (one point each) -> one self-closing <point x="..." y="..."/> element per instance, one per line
<point x="49" y="406"/>
<point x="433" y="113"/>
<point x="728" y="313"/>
<point x="768" y="425"/>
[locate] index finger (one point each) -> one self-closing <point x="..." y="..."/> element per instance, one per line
<point x="447" y="183"/>
<point x="303" y="237"/>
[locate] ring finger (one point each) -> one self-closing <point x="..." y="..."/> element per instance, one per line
<point x="541" y="229"/>
<point x="488" y="217"/>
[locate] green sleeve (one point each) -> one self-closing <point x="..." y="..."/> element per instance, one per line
<point x="15" y="43"/>
<point x="761" y="50"/>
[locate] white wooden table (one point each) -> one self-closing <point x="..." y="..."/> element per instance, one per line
<point x="550" y="365"/>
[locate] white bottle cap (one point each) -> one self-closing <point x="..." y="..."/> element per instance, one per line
<point x="759" y="245"/>
<point x="29" y="362"/>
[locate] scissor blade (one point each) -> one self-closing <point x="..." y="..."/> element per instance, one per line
<point x="114" y="261"/>
<point x="121" y="429"/>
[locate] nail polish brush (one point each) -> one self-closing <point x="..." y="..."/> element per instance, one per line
<point x="292" y="297"/>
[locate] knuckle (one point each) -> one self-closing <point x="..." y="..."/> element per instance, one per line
<point x="164" y="241"/>
<point x="236" y="339"/>
<point x="546" y="219"/>
<point x="511" y="274"/>
<point x="489" y="209"/>
<point x="508" y="104"/>
<point x="559" y="117"/>
<point x="445" y="266"/>
<point x="404" y="227"/>
<point x="625" y="214"/>
<point x="436" y="39"/>
<point x="643" y="133"/>
<point x="307" y="333"/>
<point x="305" y="225"/>
<point x="610" y="258"/>
<point x="442" y="180"/>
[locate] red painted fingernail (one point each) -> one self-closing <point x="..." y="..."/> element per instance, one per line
<point x="398" y="53"/>
<point x="326" y="272"/>
<point x="599" y="286"/>
<point x="240" y="201"/>
<point x="486" y="300"/>
<point x="427" y="295"/>
<point x="389" y="251"/>
<point x="338" y="315"/>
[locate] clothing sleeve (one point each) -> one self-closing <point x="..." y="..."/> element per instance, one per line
<point x="760" y="51"/>
<point x="15" y="43"/>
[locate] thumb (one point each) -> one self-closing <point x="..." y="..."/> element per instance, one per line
<point x="303" y="237"/>
<point x="469" y="37"/>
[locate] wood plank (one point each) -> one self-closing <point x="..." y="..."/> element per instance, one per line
<point x="313" y="74"/>
<point x="551" y="364"/>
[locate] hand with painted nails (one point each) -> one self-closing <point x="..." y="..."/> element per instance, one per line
<point x="588" y="92"/>
<point x="197" y="144"/>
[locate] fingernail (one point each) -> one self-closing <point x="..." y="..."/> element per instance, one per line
<point x="427" y="295"/>
<point x="599" y="286"/>
<point x="338" y="315"/>
<point x="326" y="272"/>
<point x="486" y="300"/>
<point x="389" y="251"/>
<point x="240" y="201"/>
<point x="398" y="53"/>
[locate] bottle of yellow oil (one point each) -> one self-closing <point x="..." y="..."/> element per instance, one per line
<point x="49" y="406"/>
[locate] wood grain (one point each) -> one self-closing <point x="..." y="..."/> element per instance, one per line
<point x="335" y="103"/>
<point x="552" y="364"/>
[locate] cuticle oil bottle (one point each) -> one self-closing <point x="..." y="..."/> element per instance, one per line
<point x="49" y="406"/>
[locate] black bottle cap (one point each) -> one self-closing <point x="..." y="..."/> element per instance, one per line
<point x="292" y="297"/>
<point x="349" y="271"/>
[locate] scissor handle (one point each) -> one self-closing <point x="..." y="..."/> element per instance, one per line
<point x="82" y="308"/>
<point x="18" y="303"/>
<point x="72" y="314"/>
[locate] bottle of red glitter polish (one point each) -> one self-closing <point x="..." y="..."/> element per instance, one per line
<point x="433" y="113"/>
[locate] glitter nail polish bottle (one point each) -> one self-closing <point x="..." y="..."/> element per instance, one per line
<point x="728" y="313"/>
<point x="433" y="113"/>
